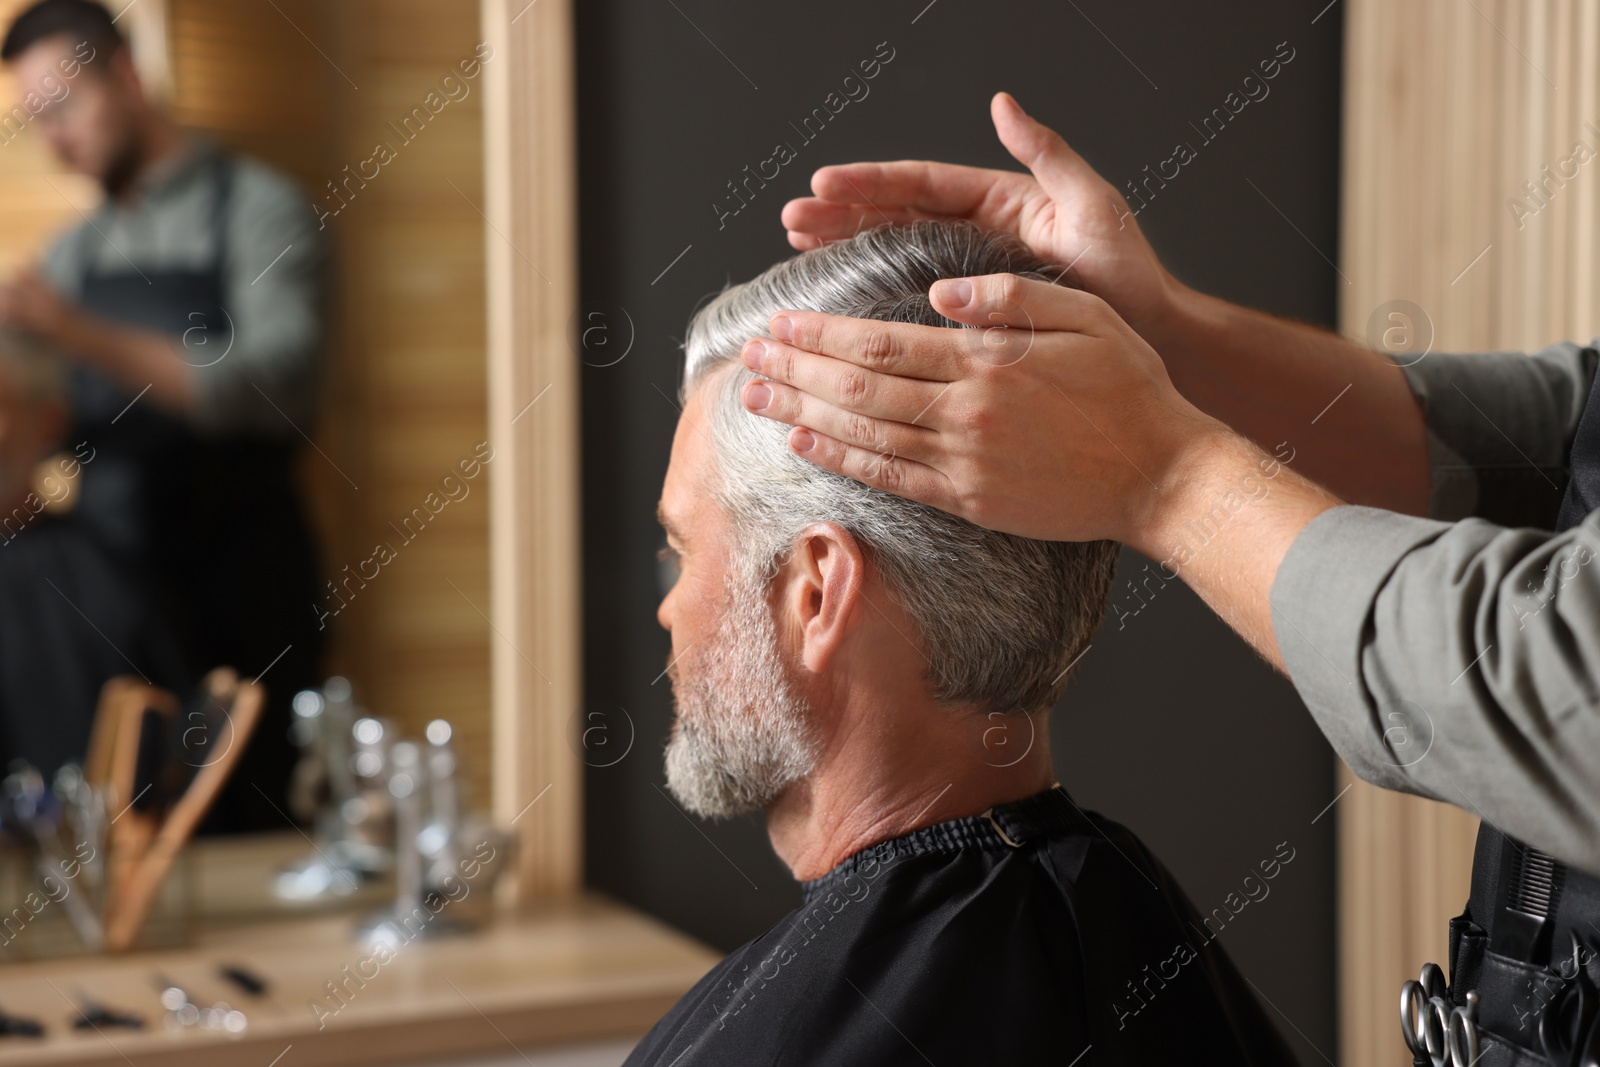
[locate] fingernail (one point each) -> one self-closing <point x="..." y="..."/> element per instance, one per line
<point x="757" y="396"/>
<point x="953" y="292"/>
<point x="753" y="353"/>
<point x="802" y="441"/>
<point x="782" y="328"/>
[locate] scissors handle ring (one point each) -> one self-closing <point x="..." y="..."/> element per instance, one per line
<point x="1464" y="1047"/>
<point x="1433" y="981"/>
<point x="1413" y="1017"/>
<point x="1436" y="1032"/>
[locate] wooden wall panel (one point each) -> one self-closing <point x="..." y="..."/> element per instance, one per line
<point x="1449" y="109"/>
<point x="413" y="278"/>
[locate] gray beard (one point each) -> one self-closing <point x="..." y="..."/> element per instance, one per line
<point x="742" y="733"/>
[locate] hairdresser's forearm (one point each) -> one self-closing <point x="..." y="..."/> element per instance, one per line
<point x="142" y="361"/>
<point x="1223" y="517"/>
<point x="1344" y="412"/>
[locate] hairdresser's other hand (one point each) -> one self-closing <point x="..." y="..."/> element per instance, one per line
<point x="30" y="304"/>
<point x="1055" y="420"/>
<point x="1064" y="211"/>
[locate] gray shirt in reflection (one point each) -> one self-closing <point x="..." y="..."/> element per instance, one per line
<point x="274" y="276"/>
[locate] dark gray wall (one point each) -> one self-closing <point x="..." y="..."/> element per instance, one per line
<point x="1172" y="727"/>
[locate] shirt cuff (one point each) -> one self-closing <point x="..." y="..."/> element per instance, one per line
<point x="1322" y="600"/>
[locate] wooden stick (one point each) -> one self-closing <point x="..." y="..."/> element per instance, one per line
<point x="132" y="903"/>
<point x="103" y="735"/>
<point x="129" y="830"/>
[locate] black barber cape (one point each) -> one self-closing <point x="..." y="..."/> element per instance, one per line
<point x="71" y="619"/>
<point x="1034" y="935"/>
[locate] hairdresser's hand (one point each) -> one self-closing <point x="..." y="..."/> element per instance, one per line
<point x="30" y="304"/>
<point x="138" y="359"/>
<point x="1064" y="211"/>
<point x="1056" y="420"/>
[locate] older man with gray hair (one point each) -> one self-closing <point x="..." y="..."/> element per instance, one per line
<point x="875" y="675"/>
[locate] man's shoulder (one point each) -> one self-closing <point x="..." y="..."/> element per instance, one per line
<point x="269" y="208"/>
<point x="921" y="942"/>
<point x="260" y="183"/>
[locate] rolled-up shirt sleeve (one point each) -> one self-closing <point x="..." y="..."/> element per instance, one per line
<point x="1459" y="660"/>
<point x="1500" y="426"/>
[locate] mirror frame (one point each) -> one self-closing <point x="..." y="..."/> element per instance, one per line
<point x="535" y="566"/>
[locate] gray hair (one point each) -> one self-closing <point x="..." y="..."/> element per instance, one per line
<point x="1001" y="618"/>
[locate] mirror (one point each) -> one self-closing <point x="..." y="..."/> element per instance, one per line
<point x="375" y="112"/>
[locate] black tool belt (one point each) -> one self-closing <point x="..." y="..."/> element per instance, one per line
<point x="1525" y="959"/>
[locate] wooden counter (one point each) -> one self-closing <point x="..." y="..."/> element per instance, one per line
<point x="587" y="968"/>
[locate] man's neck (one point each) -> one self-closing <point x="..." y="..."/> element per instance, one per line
<point x="894" y="773"/>
<point x="162" y="146"/>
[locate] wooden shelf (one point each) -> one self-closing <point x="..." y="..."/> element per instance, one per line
<point x="575" y="970"/>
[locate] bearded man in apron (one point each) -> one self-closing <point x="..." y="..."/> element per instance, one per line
<point x="191" y="305"/>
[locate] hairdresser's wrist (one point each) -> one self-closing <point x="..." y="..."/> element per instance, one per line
<point x="140" y="360"/>
<point x="1222" y="510"/>
<point x="91" y="341"/>
<point x="1185" y="482"/>
<point x="1177" y="319"/>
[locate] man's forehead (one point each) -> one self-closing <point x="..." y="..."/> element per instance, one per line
<point x="46" y="52"/>
<point x="685" y="468"/>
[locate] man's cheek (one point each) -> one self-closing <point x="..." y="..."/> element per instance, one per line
<point x="704" y="604"/>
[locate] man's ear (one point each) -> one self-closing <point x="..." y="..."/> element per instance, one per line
<point x="819" y="593"/>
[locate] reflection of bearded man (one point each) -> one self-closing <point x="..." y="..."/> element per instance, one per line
<point x="741" y="735"/>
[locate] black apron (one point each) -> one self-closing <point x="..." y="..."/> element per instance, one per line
<point x="216" y="523"/>
<point x="1529" y="941"/>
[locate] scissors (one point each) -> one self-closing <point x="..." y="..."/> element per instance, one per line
<point x="1567" y="1030"/>
<point x="1437" y="1033"/>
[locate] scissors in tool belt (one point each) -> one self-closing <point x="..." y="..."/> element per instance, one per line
<point x="1438" y="1033"/>
<point x="1568" y="1031"/>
